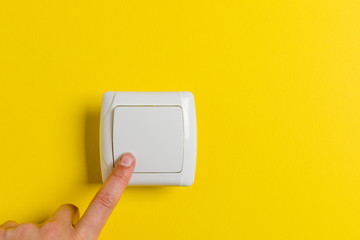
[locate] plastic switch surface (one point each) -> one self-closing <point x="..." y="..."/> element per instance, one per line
<point x="153" y="134"/>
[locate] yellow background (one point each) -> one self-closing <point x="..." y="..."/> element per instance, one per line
<point x="277" y="91"/>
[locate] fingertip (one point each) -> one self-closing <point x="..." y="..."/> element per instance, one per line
<point x="127" y="160"/>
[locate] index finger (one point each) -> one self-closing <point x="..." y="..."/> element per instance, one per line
<point x="104" y="202"/>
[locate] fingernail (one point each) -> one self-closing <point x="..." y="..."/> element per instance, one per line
<point x="126" y="160"/>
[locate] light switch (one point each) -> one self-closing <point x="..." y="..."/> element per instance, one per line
<point x="154" y="134"/>
<point x="159" y="128"/>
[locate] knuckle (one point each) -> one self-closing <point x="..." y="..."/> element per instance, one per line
<point x="55" y="230"/>
<point x="51" y="228"/>
<point x="104" y="200"/>
<point x="27" y="228"/>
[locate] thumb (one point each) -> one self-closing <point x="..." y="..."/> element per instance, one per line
<point x="66" y="214"/>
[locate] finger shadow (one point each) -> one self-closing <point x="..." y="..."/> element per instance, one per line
<point x="140" y="193"/>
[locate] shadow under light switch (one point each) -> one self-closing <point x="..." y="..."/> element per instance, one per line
<point x="159" y="128"/>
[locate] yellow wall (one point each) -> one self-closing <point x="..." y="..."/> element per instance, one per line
<point x="277" y="91"/>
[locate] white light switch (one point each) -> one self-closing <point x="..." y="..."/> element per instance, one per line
<point x="159" y="128"/>
<point x="153" y="134"/>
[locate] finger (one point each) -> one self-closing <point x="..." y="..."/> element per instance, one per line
<point x="104" y="202"/>
<point x="9" y="224"/>
<point x="67" y="214"/>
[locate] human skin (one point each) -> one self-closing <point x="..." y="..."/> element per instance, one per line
<point x="65" y="224"/>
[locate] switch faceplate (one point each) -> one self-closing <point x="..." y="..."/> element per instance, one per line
<point x="159" y="128"/>
<point x="154" y="134"/>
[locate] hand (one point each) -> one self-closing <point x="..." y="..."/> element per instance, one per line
<point x="65" y="223"/>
